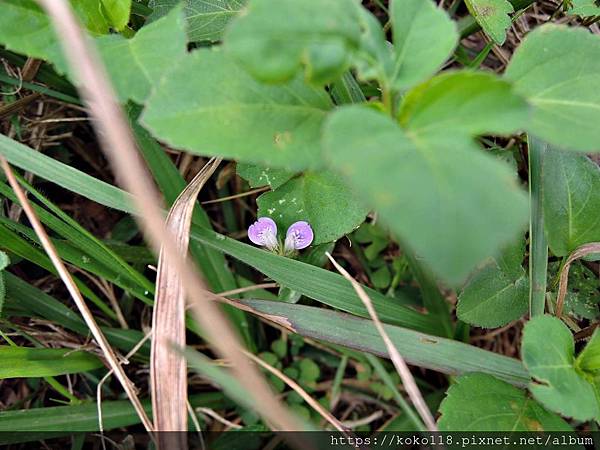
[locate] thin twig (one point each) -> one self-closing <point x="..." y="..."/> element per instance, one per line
<point x="407" y="379"/>
<point x="240" y="195"/>
<point x="301" y="392"/>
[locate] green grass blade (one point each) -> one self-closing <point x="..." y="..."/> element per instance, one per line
<point x="440" y="354"/>
<point x="322" y="285"/>
<point x="62" y="420"/>
<point x="538" y="259"/>
<point x="63" y="175"/>
<point x="24" y="362"/>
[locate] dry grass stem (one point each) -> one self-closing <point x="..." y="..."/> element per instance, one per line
<point x="119" y="146"/>
<point x="580" y="252"/>
<point x="87" y="315"/>
<point x="407" y="379"/>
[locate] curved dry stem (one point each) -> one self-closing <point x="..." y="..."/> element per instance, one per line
<point x="580" y="252"/>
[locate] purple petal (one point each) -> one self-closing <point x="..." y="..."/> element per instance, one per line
<point x="299" y="235"/>
<point x="264" y="232"/>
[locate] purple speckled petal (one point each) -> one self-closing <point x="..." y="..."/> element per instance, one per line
<point x="299" y="235"/>
<point x="264" y="232"/>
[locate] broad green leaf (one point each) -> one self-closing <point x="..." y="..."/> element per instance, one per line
<point x="206" y="19"/>
<point x="557" y="69"/>
<point x="444" y="198"/>
<point x="571" y="199"/>
<point x="4" y="262"/>
<point x="258" y="176"/>
<point x="479" y="402"/>
<point x="589" y="358"/>
<point x="498" y="293"/>
<point x="26" y="29"/>
<point x="548" y="354"/>
<point x="23" y="362"/>
<point x="432" y="352"/>
<point x="91" y="16"/>
<point x="584" y="8"/>
<point x="321" y="199"/>
<point x="117" y="11"/>
<point x="424" y="37"/>
<point x="493" y="16"/>
<point x="275" y="40"/>
<point x="222" y="111"/>
<point x="464" y="102"/>
<point x="137" y="65"/>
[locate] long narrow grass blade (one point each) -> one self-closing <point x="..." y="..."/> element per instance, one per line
<point x="419" y="349"/>
<point x="580" y="252"/>
<point x="168" y="369"/>
<point x="25" y="362"/>
<point x="64" y="274"/>
<point x="118" y="144"/>
<point x="407" y="379"/>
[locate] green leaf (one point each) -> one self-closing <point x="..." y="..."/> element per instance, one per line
<point x="91" y="16"/>
<point x="548" y="353"/>
<point x="258" y="176"/>
<point x="64" y="420"/>
<point x="321" y="199"/>
<point x="424" y="38"/>
<point x="589" y="358"/>
<point x="23" y="362"/>
<point x="138" y="64"/>
<point x="316" y="283"/>
<point x="63" y="175"/>
<point x="571" y="200"/>
<point x="222" y="111"/>
<point x="493" y="16"/>
<point x="479" y="402"/>
<point x="498" y="293"/>
<point x="325" y="34"/>
<point x="117" y="11"/>
<point x="432" y="352"/>
<point x="466" y="102"/>
<point x="25" y="28"/>
<point x="206" y="19"/>
<point x="444" y="198"/>
<point x="4" y="261"/>
<point x="584" y="8"/>
<point x="557" y="68"/>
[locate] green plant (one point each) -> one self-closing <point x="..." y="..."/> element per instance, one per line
<point x="446" y="176"/>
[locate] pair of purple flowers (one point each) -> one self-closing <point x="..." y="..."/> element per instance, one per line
<point x="263" y="232"/>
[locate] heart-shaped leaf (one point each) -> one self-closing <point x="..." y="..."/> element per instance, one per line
<point x="480" y="402"/>
<point x="223" y="111"/>
<point x="557" y="69"/>
<point x="258" y="176"/>
<point x="443" y="197"/>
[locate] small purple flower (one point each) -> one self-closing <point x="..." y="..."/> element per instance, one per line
<point x="299" y="235"/>
<point x="264" y="232"/>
